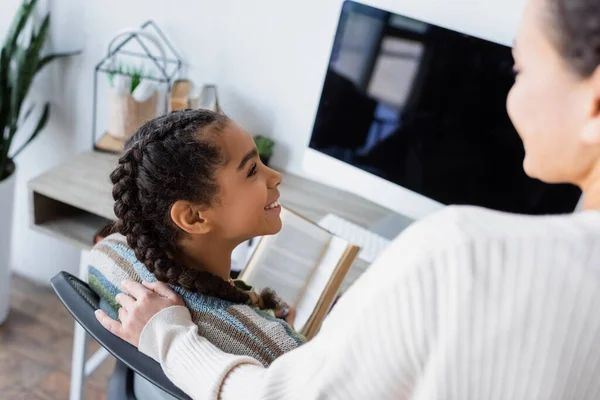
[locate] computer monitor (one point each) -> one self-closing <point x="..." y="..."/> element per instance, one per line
<point x="412" y="116"/>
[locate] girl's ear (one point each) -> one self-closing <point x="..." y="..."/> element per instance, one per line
<point x="590" y="133"/>
<point x="189" y="217"/>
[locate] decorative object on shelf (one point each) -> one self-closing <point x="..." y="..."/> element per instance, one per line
<point x="265" y="147"/>
<point x="134" y="85"/>
<point x="180" y="92"/>
<point x="184" y="94"/>
<point x="20" y="61"/>
<point x="207" y="99"/>
<point x="128" y="109"/>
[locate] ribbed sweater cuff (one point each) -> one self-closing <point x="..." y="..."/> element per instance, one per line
<point x="193" y="363"/>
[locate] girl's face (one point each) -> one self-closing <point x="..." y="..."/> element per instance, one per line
<point x="552" y="108"/>
<point x="247" y="202"/>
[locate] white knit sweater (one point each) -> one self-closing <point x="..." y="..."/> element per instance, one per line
<point x="466" y="304"/>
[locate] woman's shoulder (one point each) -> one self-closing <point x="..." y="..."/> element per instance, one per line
<point x="462" y="242"/>
<point x="478" y="230"/>
<point x="456" y="225"/>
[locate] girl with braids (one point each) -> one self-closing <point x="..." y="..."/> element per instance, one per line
<point x="188" y="189"/>
<point x="467" y="304"/>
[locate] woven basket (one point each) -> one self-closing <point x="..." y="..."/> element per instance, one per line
<point x="127" y="115"/>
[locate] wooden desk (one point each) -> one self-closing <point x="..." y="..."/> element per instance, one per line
<point x="73" y="200"/>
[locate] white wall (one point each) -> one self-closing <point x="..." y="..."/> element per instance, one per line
<point x="268" y="58"/>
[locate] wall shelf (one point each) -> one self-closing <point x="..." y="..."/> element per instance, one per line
<point x="73" y="200"/>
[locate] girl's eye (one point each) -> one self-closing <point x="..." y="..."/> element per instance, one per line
<point x="252" y="170"/>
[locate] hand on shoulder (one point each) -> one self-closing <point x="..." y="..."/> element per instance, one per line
<point x="143" y="302"/>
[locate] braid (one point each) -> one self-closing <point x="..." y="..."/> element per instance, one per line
<point x="165" y="161"/>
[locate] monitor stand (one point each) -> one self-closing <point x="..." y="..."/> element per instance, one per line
<point x="391" y="225"/>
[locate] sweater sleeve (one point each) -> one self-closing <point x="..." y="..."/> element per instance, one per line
<point x="193" y="363"/>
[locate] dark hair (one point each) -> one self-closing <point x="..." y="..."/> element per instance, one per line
<point x="170" y="158"/>
<point x="575" y="29"/>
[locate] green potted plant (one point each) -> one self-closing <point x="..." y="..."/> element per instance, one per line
<point x="265" y="147"/>
<point x="21" y="59"/>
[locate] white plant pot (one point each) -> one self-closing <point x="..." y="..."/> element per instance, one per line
<point x="7" y="197"/>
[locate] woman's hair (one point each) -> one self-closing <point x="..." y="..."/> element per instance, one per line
<point x="170" y="158"/>
<point x="575" y="29"/>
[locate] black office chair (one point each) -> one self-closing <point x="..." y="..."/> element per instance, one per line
<point x="81" y="302"/>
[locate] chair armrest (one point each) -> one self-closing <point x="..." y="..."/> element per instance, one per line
<point x="81" y="302"/>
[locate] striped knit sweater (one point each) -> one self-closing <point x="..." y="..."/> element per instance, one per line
<point x="234" y="328"/>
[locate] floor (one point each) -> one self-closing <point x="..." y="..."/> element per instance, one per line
<point x="35" y="348"/>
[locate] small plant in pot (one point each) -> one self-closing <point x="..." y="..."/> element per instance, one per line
<point x="21" y="59"/>
<point x="265" y="147"/>
<point x="127" y="111"/>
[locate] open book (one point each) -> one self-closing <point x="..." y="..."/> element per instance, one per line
<point x="305" y="265"/>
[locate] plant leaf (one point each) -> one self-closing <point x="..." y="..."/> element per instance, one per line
<point x="4" y="92"/>
<point x="27" y="62"/>
<point x="19" y="64"/>
<point x="18" y="25"/>
<point x="46" y="59"/>
<point x="28" y="113"/>
<point x="38" y="39"/>
<point x="40" y="125"/>
<point x="17" y="81"/>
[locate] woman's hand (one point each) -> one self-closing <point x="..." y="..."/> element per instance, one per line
<point x="138" y="308"/>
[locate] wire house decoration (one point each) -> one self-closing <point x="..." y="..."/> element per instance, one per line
<point x="166" y="65"/>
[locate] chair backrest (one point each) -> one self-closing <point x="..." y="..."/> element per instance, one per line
<point x="81" y="302"/>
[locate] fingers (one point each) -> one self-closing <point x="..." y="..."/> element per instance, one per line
<point x="125" y="301"/>
<point x="135" y="289"/>
<point x="122" y="314"/>
<point x="108" y="323"/>
<point x="162" y="289"/>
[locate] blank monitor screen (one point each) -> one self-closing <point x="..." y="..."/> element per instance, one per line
<point x="425" y="108"/>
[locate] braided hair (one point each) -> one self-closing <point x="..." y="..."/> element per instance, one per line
<point x="170" y="158"/>
<point x="575" y="30"/>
